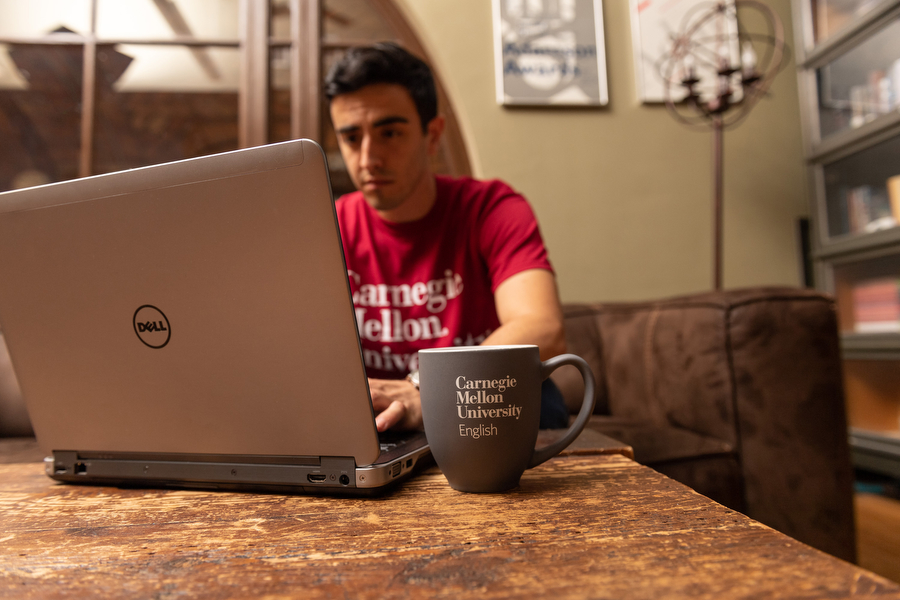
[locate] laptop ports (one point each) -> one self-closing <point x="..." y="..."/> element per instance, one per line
<point x="316" y="477"/>
<point x="80" y="468"/>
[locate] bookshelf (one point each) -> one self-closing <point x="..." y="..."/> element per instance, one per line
<point x="848" y="57"/>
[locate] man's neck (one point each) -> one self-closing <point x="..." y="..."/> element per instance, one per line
<point x="417" y="205"/>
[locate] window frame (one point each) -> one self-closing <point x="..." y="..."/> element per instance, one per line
<point x="306" y="47"/>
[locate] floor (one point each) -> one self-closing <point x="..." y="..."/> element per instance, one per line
<point x="878" y="534"/>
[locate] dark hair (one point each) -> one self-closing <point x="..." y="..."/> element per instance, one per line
<point x="384" y="62"/>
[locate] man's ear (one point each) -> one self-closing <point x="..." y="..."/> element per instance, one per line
<point x="433" y="132"/>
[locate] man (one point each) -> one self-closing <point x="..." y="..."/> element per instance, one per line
<point x="433" y="261"/>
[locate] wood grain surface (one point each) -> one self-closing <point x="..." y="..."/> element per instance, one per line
<point x="20" y="450"/>
<point x="576" y="527"/>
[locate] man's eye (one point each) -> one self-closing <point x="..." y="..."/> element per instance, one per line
<point x="350" y="139"/>
<point x="390" y="133"/>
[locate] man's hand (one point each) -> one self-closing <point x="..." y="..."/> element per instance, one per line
<point x="396" y="403"/>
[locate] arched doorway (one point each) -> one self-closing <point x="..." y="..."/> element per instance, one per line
<point x="346" y="23"/>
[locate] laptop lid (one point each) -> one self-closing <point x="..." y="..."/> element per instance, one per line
<point x="196" y="307"/>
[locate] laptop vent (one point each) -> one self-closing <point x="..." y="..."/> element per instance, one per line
<point x="395" y="469"/>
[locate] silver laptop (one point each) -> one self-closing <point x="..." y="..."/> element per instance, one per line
<point x="190" y="324"/>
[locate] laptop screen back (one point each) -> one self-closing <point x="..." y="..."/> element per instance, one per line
<point x="194" y="307"/>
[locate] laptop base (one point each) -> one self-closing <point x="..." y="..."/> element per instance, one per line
<point x="278" y="474"/>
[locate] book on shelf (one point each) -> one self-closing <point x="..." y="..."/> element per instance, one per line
<point x="869" y="209"/>
<point x="878" y="96"/>
<point x="876" y="305"/>
<point x="893" y="190"/>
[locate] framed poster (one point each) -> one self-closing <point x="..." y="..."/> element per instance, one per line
<point x="655" y="24"/>
<point x="550" y="52"/>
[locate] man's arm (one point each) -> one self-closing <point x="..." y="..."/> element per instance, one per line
<point x="530" y="313"/>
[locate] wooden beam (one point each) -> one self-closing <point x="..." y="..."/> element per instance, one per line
<point x="88" y="98"/>
<point x="306" y="69"/>
<point x="254" y="90"/>
<point x="175" y="19"/>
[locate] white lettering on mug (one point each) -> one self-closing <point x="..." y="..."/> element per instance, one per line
<point x="474" y="392"/>
<point x="477" y="432"/>
<point x="488" y="413"/>
<point x="485" y="384"/>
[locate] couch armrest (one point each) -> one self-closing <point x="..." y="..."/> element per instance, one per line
<point x="791" y="417"/>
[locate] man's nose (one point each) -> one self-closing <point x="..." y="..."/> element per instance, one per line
<point x="370" y="156"/>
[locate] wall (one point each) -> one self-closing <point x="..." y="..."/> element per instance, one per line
<point x="623" y="193"/>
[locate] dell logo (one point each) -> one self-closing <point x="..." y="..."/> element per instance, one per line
<point x="151" y="326"/>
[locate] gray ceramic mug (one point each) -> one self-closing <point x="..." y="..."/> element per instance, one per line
<point x="482" y="405"/>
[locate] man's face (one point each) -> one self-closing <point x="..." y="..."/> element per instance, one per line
<point x="383" y="145"/>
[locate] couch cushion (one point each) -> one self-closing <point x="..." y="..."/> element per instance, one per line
<point x="660" y="362"/>
<point x="655" y="444"/>
<point x="667" y="364"/>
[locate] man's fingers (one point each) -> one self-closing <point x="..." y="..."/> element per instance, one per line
<point x="380" y="401"/>
<point x="390" y="416"/>
<point x="396" y="404"/>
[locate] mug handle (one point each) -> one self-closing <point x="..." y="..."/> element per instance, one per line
<point x="587" y="406"/>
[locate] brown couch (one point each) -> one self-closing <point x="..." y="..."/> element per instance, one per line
<point x="737" y="394"/>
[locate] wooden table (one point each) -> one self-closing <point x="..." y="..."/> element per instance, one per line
<point x="579" y="526"/>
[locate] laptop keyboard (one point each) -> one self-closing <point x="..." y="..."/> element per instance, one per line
<point x="389" y="440"/>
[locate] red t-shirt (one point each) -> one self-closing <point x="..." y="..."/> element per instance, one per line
<point x="430" y="283"/>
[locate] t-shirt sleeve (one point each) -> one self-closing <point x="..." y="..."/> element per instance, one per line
<point x="509" y="237"/>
